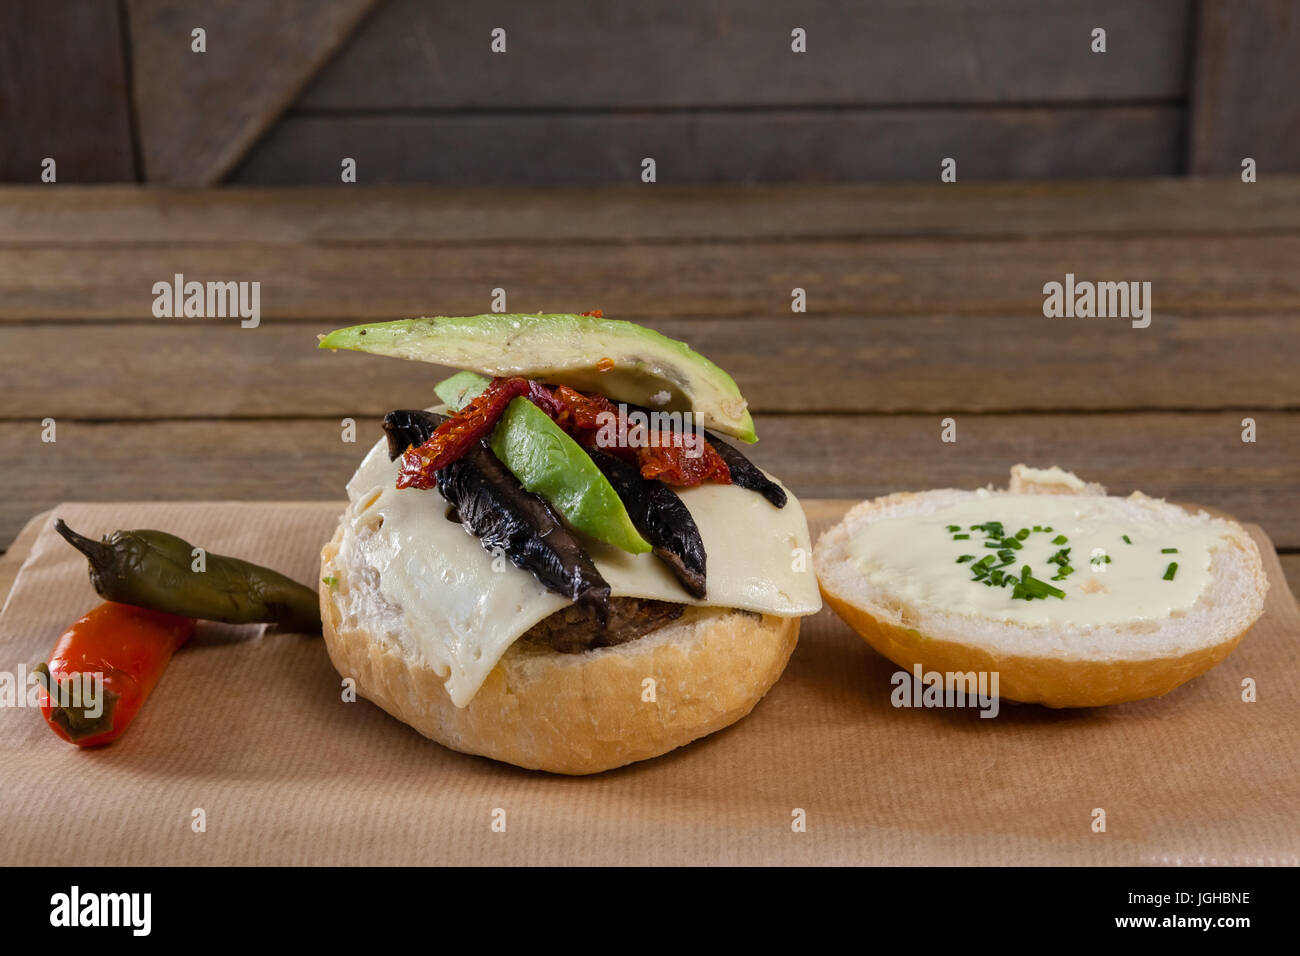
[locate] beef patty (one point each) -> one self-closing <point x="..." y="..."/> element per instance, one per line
<point x="574" y="629"/>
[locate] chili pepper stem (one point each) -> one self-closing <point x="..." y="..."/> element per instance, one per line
<point x="96" y="552"/>
<point x="72" y="718"/>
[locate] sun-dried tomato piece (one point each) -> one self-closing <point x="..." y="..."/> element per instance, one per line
<point x="543" y="396"/>
<point x="592" y="421"/>
<point x="677" y="459"/>
<point x="674" y="458"/>
<point x="458" y="433"/>
<point x="594" y="313"/>
<point x="582" y="410"/>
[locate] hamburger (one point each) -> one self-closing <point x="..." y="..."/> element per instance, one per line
<point x="566" y="563"/>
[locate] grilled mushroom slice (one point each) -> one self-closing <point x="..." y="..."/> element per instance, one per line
<point x="494" y="507"/>
<point x="662" y="519"/>
<point x="745" y="473"/>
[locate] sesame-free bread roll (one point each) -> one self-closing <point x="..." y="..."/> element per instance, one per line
<point x="896" y="571"/>
<point x="564" y="713"/>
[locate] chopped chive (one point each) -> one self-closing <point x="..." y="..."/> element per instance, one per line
<point x="1022" y="534"/>
<point x="1038" y="527"/>
<point x="1060" y="539"/>
<point x="954" y="527"/>
<point x="1061" y="557"/>
<point x="1126" y="539"/>
<point x="1054" y="592"/>
<point x="1029" y="587"/>
<point x="1047" y="529"/>
<point x="1171" y="570"/>
<point x="965" y="557"/>
<point x="1168" y="550"/>
<point x="961" y="537"/>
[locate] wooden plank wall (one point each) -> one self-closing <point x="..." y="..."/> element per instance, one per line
<point x="199" y="113"/>
<point x="712" y="91"/>
<point x="1246" y="87"/>
<point x="585" y="90"/>
<point x="64" y="92"/>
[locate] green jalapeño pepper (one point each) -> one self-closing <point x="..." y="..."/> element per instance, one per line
<point x="159" y="571"/>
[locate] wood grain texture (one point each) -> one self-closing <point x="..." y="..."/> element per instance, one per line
<point x="797" y="363"/>
<point x="63" y="92"/>
<point x="1192" y="457"/>
<point x="1129" y="208"/>
<point x="1244" y="101"/>
<point x="344" y="281"/>
<point x="709" y="147"/>
<point x="414" y="54"/>
<point x="198" y="113"/>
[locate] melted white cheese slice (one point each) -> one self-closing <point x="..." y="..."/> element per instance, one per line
<point x="462" y="609"/>
<point x="916" y="558"/>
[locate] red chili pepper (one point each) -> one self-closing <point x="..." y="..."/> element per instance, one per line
<point x="103" y="668"/>
<point x="458" y="433"/>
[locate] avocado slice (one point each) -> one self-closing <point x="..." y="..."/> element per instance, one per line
<point x="647" y="368"/>
<point x="457" y="391"/>
<point x="547" y="461"/>
<point x="550" y="463"/>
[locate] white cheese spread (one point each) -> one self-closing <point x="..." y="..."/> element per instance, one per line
<point x="1124" y="569"/>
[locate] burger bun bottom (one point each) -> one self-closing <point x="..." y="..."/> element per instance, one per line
<point x="568" y="713"/>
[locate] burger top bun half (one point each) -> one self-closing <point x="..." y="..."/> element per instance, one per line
<point x="1138" y="617"/>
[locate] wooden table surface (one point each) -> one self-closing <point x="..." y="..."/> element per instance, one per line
<point x="923" y="302"/>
